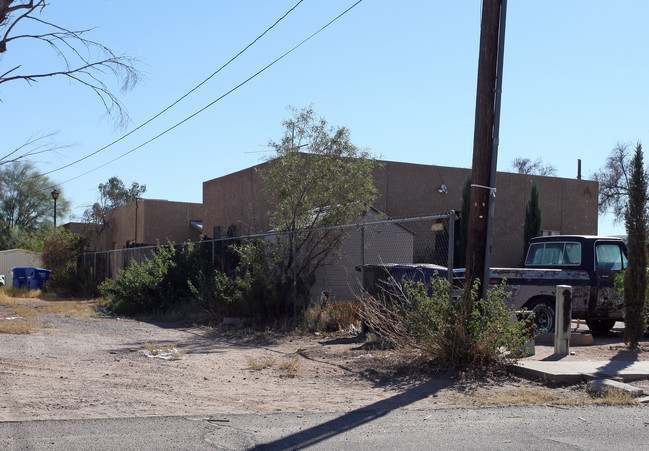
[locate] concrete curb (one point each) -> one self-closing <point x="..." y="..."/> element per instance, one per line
<point x="577" y="371"/>
<point x="602" y="386"/>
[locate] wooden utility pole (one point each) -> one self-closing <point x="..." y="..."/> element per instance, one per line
<point x="485" y="143"/>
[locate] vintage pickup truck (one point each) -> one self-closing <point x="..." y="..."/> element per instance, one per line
<point x="587" y="263"/>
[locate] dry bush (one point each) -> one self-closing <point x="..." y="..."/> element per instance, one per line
<point x="424" y="320"/>
<point x="332" y="317"/>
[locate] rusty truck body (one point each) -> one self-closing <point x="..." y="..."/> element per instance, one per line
<point x="589" y="264"/>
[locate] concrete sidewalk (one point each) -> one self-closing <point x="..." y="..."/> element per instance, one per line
<point x="575" y="371"/>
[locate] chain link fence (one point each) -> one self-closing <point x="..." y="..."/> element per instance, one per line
<point x="342" y="274"/>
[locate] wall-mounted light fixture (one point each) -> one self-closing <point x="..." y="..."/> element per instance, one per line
<point x="443" y="189"/>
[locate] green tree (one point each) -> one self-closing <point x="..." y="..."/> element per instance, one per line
<point x="532" y="225"/>
<point x="635" y="276"/>
<point x="26" y="203"/>
<point x="317" y="179"/>
<point x="112" y="194"/>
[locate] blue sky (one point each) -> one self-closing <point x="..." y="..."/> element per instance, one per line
<point x="400" y="75"/>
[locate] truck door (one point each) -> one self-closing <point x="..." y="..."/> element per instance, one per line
<point x="610" y="260"/>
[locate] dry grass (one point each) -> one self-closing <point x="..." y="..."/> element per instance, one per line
<point x="17" y="326"/>
<point x="531" y="397"/>
<point x="261" y="363"/>
<point x="22" y="313"/>
<point x="22" y="320"/>
<point x="5" y="299"/>
<point x="23" y="293"/>
<point x="288" y="367"/>
<point x="74" y="308"/>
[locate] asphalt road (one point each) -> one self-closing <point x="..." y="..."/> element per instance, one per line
<point x="592" y="428"/>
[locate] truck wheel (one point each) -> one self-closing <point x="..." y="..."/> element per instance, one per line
<point x="543" y="314"/>
<point x="600" y="326"/>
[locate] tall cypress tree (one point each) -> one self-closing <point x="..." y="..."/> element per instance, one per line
<point x="635" y="276"/>
<point x="532" y="226"/>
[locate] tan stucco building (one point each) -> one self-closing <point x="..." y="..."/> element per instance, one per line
<point x="569" y="206"/>
<point x="147" y="221"/>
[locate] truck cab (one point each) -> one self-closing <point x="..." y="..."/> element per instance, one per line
<point x="589" y="264"/>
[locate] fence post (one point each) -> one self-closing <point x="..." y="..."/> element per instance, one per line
<point x="451" y="244"/>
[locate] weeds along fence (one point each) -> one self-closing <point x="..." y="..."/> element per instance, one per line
<point x="428" y="240"/>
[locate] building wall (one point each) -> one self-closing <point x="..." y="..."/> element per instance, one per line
<point x="157" y="221"/>
<point x="162" y="220"/>
<point x="235" y="199"/>
<point x="569" y="206"/>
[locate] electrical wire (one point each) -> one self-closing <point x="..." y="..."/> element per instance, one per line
<point x="180" y="99"/>
<point x="220" y="97"/>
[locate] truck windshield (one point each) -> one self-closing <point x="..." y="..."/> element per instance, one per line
<point x="554" y="254"/>
<point x="610" y="257"/>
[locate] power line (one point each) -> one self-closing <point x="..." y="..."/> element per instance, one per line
<point x="181" y="98"/>
<point x="220" y="97"/>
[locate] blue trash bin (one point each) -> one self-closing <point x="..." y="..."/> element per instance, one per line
<point x="30" y="277"/>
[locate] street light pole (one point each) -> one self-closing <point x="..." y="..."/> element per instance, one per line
<point x="55" y="196"/>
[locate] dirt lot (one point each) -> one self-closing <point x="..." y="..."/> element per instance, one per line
<point x="82" y="364"/>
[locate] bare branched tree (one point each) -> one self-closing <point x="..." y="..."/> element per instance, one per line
<point x="84" y="61"/>
<point x="34" y="145"/>
<point x="537" y="167"/>
<point x="614" y="181"/>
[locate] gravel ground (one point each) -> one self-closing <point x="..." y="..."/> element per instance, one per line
<point x="79" y="365"/>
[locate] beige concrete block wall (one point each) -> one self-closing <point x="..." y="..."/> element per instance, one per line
<point x="569" y="206"/>
<point x="238" y="199"/>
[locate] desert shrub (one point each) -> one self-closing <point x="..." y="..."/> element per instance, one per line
<point x="171" y="279"/>
<point x="217" y="293"/>
<point x="160" y="283"/>
<point x="426" y="320"/>
<point x="141" y="287"/>
<point x="265" y="288"/>
<point x="60" y="250"/>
